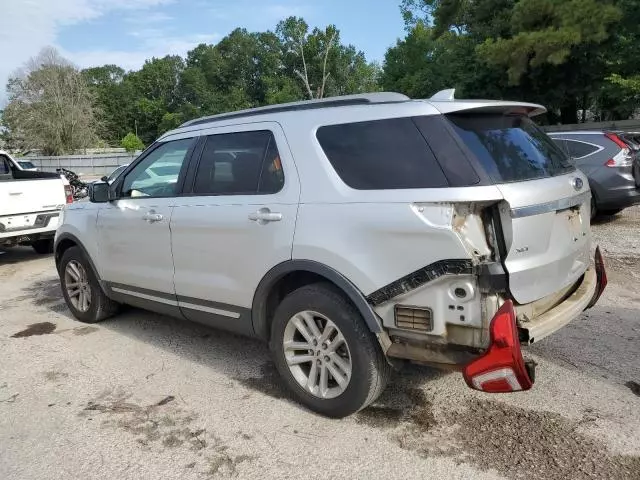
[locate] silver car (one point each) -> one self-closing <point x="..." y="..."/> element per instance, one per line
<point x="350" y="234"/>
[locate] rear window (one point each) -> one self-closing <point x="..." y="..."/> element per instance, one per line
<point x="510" y="148"/>
<point x="381" y="155"/>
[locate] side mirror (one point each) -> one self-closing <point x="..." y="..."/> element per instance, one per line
<point x="99" y="192"/>
<point x="104" y="178"/>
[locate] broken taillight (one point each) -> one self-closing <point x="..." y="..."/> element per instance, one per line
<point x="501" y="368"/>
<point x="68" y="193"/>
<point x="601" y="276"/>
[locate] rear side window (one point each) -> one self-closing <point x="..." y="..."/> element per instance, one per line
<point x="580" y="149"/>
<point x="381" y="155"/>
<point x="244" y="163"/>
<point x="510" y="148"/>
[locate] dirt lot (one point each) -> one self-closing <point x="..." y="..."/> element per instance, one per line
<point x="146" y="397"/>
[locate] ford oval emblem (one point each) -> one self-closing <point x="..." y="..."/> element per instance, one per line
<point x="577" y="184"/>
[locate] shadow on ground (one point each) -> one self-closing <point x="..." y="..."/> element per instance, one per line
<point x="9" y="256"/>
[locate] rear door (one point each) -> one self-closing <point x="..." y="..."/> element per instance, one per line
<point x="545" y="214"/>
<point x="236" y="224"/>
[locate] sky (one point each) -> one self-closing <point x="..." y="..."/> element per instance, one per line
<point x="126" y="32"/>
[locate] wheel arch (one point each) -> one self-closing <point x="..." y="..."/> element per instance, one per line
<point x="286" y="277"/>
<point x="63" y="243"/>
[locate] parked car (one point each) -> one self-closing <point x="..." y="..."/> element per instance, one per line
<point x="351" y="234"/>
<point x="113" y="175"/>
<point x="30" y="205"/>
<point x="610" y="163"/>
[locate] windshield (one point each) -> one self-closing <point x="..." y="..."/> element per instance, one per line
<point x="26" y="165"/>
<point x="510" y="148"/>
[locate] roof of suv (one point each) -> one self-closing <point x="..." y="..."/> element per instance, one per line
<point x="442" y="101"/>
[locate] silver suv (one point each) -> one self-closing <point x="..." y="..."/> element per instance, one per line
<point x="350" y="233"/>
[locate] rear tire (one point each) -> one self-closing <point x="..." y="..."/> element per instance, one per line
<point x="81" y="289"/>
<point x="368" y="369"/>
<point x="44" y="246"/>
<point x="612" y="212"/>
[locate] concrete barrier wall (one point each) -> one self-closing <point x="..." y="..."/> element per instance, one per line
<point x="84" y="165"/>
<point x="624" y="125"/>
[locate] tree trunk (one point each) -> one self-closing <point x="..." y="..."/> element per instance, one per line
<point x="569" y="112"/>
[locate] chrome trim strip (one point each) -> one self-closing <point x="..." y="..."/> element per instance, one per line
<point x="562" y="204"/>
<point x="145" y="296"/>
<point x="215" y="311"/>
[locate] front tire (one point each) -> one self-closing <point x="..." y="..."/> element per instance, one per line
<point x="81" y="289"/>
<point x="329" y="359"/>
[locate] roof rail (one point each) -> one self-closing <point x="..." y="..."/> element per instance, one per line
<point x="340" y="101"/>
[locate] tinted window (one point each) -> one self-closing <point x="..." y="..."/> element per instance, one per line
<point x="580" y="149"/>
<point x="239" y="163"/>
<point x="510" y="148"/>
<point x="381" y="154"/>
<point x="157" y="174"/>
<point x="26" y="165"/>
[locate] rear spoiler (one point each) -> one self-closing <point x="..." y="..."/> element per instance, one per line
<point x="445" y="102"/>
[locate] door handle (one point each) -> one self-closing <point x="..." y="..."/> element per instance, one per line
<point x="264" y="216"/>
<point x="151" y="216"/>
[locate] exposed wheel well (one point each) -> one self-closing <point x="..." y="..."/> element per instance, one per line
<point x="283" y="287"/>
<point x="64" y="245"/>
<point x="289" y="276"/>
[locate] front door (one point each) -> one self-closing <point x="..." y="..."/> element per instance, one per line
<point x="237" y="223"/>
<point x="133" y="231"/>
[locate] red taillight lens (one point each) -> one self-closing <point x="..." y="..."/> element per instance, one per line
<point x="68" y="193"/>
<point x="601" y="275"/>
<point x="501" y="368"/>
<point x="616" y="139"/>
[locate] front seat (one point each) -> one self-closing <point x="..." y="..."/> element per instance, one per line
<point x="246" y="173"/>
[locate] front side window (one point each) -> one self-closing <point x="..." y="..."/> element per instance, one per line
<point x="243" y="163"/>
<point x="381" y="155"/>
<point x="510" y="148"/>
<point x="157" y="174"/>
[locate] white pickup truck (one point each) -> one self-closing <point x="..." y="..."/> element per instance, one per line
<point x="30" y="205"/>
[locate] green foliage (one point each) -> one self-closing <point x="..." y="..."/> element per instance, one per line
<point x="131" y="143"/>
<point x="561" y="53"/>
<point x="245" y="69"/>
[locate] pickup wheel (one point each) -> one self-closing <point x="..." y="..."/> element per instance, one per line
<point x="44" y="246"/>
<point x="81" y="289"/>
<point x="329" y="359"/>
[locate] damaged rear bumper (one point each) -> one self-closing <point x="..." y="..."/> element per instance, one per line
<point x="585" y="296"/>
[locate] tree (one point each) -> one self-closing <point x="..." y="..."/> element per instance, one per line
<point x="113" y="96"/>
<point x="50" y="106"/>
<point x="555" y="52"/>
<point x="321" y="63"/>
<point x="131" y="143"/>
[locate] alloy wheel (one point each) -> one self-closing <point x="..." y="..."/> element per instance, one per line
<point x="76" y="283"/>
<point x="317" y="354"/>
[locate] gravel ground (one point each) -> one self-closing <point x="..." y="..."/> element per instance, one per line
<point x="145" y="397"/>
